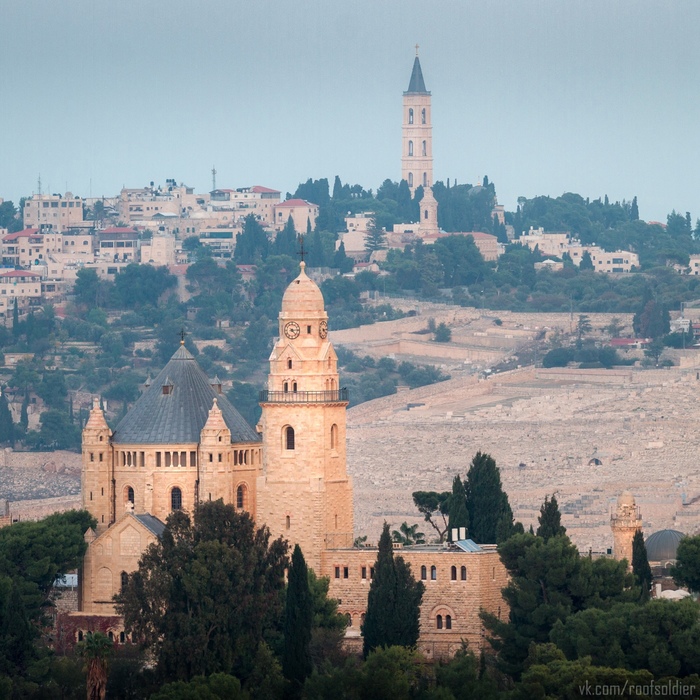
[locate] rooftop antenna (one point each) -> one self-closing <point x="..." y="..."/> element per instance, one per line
<point x="38" y="185"/>
<point x="213" y="177"/>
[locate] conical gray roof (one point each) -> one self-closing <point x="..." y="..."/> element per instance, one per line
<point x="417" y="84"/>
<point x="179" y="415"/>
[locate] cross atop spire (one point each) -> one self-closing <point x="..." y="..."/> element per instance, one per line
<point x="182" y="336"/>
<point x="302" y="251"/>
<point x="417" y="47"/>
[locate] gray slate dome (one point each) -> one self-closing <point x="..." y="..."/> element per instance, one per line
<point x="175" y="407"/>
<point x="662" y="545"/>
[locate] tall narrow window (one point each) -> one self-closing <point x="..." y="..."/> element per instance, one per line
<point x="334" y="436"/>
<point x="410" y="116"/>
<point x="241" y="496"/>
<point x="424" y="149"/>
<point x="289" y="438"/>
<point x="425" y="179"/>
<point x="433" y="573"/>
<point x="130" y="494"/>
<point x="453" y="573"/>
<point x="125" y="580"/>
<point x="176" y="499"/>
<point x="286" y="387"/>
<point x="448" y="622"/>
<point x="410" y="179"/>
<point x="410" y="148"/>
<point x="439" y="622"/>
<point x="422" y="116"/>
<point x="463" y="573"/>
<point x="425" y="215"/>
<point x="288" y="522"/>
<point x="289" y="363"/>
<point x="423" y="573"/>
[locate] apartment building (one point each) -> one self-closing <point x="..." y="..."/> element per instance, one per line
<point x="30" y="246"/>
<point x="239" y="203"/>
<point x="143" y="203"/>
<point x="118" y="244"/>
<point x="301" y="211"/>
<point x="54" y="211"/>
<point x="22" y="285"/>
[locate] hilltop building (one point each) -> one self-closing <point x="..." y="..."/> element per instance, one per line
<point x="183" y="443"/>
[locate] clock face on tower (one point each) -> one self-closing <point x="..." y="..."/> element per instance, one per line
<point x="291" y="330"/>
<point x="323" y="329"/>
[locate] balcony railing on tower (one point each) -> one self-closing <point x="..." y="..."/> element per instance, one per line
<point x="336" y="396"/>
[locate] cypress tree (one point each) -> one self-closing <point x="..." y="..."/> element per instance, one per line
<point x="459" y="515"/>
<point x="7" y="427"/>
<point x="393" y="604"/>
<point x="24" y="414"/>
<point x="296" y="658"/>
<point x="15" y="320"/>
<point x="487" y="503"/>
<point x="640" y="564"/>
<point x="550" y="519"/>
<point x="634" y="210"/>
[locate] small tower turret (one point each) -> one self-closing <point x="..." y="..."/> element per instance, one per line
<point x="215" y="456"/>
<point x="625" y="522"/>
<point x="97" y="474"/>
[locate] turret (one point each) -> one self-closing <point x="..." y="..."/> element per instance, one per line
<point x="96" y="475"/>
<point x="625" y="522"/>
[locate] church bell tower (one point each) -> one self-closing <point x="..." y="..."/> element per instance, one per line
<point x="304" y="493"/>
<point x="417" y="153"/>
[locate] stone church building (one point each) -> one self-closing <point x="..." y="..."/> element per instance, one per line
<point x="183" y="443"/>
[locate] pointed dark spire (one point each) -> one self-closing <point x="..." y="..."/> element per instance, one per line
<point x="417" y="84"/>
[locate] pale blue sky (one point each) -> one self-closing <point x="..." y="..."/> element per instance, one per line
<point x="544" y="97"/>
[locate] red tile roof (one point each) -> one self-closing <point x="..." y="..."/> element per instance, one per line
<point x="263" y="190"/>
<point x="19" y="273"/>
<point x="9" y="237"/>
<point x="296" y="203"/>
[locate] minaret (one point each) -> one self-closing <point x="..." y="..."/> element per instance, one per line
<point x="417" y="153"/>
<point x="624" y="524"/>
<point x="97" y="472"/>
<point x="304" y="493"/>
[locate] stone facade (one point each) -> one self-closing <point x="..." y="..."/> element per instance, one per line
<point x="417" y="133"/>
<point x="183" y="443"/>
<point x="625" y="522"/>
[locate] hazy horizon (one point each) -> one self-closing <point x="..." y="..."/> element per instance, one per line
<point x="543" y="97"/>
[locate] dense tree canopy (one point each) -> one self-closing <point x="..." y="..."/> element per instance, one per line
<point x="207" y="593"/>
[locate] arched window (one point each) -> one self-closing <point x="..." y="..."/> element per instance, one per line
<point x="423" y="573"/>
<point x="80" y="635"/>
<point x="334" y="436"/>
<point x="128" y="494"/>
<point x="425" y="214"/>
<point x="463" y="572"/>
<point x="453" y="573"/>
<point x="176" y="499"/>
<point x="289" y="438"/>
<point x="294" y="387"/>
<point x="424" y="148"/>
<point x="438" y="620"/>
<point x="125" y="580"/>
<point x="348" y="620"/>
<point x="241" y="496"/>
<point x="288" y="522"/>
<point x="425" y="179"/>
<point x="289" y="363"/>
<point x="433" y="573"/>
<point x="410" y="116"/>
<point x="410" y="179"/>
<point x="286" y="387"/>
<point x="422" y="116"/>
<point x="111" y="635"/>
<point x="448" y="622"/>
<point x="122" y="637"/>
<point x="410" y="148"/>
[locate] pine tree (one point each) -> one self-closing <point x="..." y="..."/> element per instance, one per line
<point x="296" y="659"/>
<point x="393" y="604"/>
<point x="640" y="564"/>
<point x="487" y="503"/>
<point x="459" y="515"/>
<point x="586" y="262"/>
<point x="550" y="519"/>
<point x="375" y="238"/>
